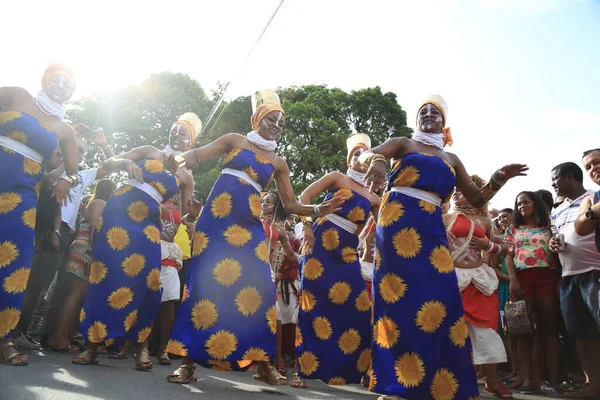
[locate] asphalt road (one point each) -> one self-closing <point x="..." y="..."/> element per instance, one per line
<point x="52" y="376"/>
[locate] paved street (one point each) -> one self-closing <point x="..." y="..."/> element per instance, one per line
<point x="52" y="376"/>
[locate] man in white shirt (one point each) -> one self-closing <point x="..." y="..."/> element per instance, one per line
<point x="580" y="282"/>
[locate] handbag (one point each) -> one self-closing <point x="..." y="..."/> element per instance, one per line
<point x="518" y="321"/>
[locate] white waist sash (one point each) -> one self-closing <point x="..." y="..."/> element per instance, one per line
<point x="20" y="148"/>
<point x="342" y="222"/>
<point x="144" y="187"/>
<point x="418" y="194"/>
<point x="244" y="176"/>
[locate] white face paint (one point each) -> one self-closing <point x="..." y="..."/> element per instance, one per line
<point x="264" y="123"/>
<point x="428" y="125"/>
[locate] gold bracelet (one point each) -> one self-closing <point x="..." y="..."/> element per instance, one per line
<point x="180" y="161"/>
<point x="375" y="158"/>
<point x="306" y="220"/>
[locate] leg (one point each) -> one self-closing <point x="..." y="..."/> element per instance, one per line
<point x="279" y="363"/>
<point x="69" y="311"/>
<point x="142" y="357"/>
<point x="9" y="355"/>
<point x="185" y="373"/>
<point x="492" y="384"/>
<point x="166" y="316"/>
<point x="549" y="309"/>
<point x="269" y="374"/>
<point x="30" y="300"/>
<point x="88" y="357"/>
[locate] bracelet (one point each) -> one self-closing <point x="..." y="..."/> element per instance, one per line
<point x="375" y="158"/>
<point x="72" y="180"/>
<point x="317" y="211"/>
<point x="495" y="183"/>
<point x="306" y="220"/>
<point x="188" y="218"/>
<point x="490" y="247"/>
<point x="180" y="161"/>
<point x="497" y="249"/>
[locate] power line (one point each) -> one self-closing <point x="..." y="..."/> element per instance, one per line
<point x="220" y="101"/>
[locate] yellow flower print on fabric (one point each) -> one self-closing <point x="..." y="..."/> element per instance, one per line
<point x="349" y="341"/>
<point x="200" y="243"/>
<point x="17" y="281"/>
<point x="441" y="259"/>
<point x="133" y="264"/>
<point x="9" y="318"/>
<point x="204" y="314"/>
<point x="309" y="363"/>
<point x="392" y="288"/>
<point x="330" y="239"/>
<point x="117" y="238"/>
<point x="430" y="316"/>
<point x="221" y="205"/>
<point x="237" y="235"/>
<point x="339" y="292"/>
<point x="221" y="344"/>
<point x="8" y="253"/>
<point x="410" y="370"/>
<point x="407" y="177"/>
<point x="407" y="243"/>
<point x="322" y="328"/>
<point x="227" y="271"/>
<point x="9" y="201"/>
<point x="313" y="269"/>
<point x="120" y="298"/>
<point x="444" y="385"/>
<point x="248" y="301"/>
<point x="386" y="333"/>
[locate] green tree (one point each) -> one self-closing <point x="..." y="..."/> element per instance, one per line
<point x="319" y="120"/>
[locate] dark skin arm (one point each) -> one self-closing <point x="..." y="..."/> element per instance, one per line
<point x="119" y="162"/>
<point x="93" y="212"/>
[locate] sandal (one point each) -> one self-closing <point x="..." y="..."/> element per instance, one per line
<point x="15" y="358"/>
<point x="88" y="357"/>
<point x="281" y="368"/>
<point x="500" y="392"/>
<point x="271" y="376"/>
<point x="298" y="382"/>
<point x="164" y="359"/>
<point x="68" y="349"/>
<point x="142" y="360"/>
<point x="550" y="390"/>
<point x="389" y="397"/>
<point x="183" y="375"/>
<point x="121" y="355"/>
<point x="365" y="381"/>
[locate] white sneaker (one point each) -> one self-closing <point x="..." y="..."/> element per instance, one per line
<point x="26" y="342"/>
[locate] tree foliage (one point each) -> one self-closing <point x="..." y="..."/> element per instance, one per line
<point x="319" y="120"/>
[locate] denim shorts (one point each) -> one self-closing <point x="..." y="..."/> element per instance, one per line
<point x="580" y="303"/>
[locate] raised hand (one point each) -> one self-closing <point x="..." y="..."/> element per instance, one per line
<point x="308" y="242"/>
<point x="511" y="170"/>
<point x="375" y="176"/>
<point x="331" y="206"/>
<point x="61" y="192"/>
<point x="134" y="172"/>
<point x="194" y="207"/>
<point x="170" y="164"/>
<point x="100" y="138"/>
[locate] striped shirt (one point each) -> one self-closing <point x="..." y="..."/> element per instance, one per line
<point x="580" y="254"/>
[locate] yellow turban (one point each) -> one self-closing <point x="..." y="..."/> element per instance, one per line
<point x="262" y="111"/>
<point x="440" y="103"/>
<point x="192" y="123"/>
<point x="264" y="96"/>
<point x="356" y="141"/>
<point x="58" y="69"/>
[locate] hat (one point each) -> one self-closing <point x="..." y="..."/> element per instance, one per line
<point x="265" y="96"/>
<point x="355" y="141"/>
<point x="440" y="103"/>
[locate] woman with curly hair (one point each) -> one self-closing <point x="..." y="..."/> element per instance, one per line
<point x="537" y="283"/>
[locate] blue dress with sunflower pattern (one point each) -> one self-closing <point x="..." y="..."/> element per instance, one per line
<point x="123" y="295"/>
<point x="421" y="348"/>
<point x="334" y="331"/>
<point x="19" y="189"/>
<point x="227" y="317"/>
